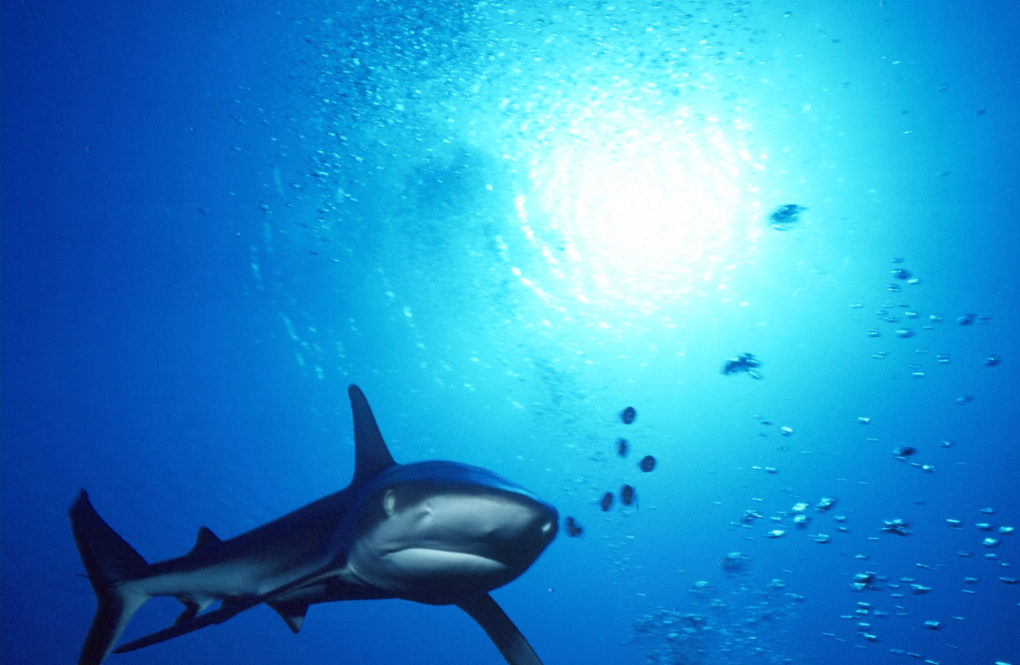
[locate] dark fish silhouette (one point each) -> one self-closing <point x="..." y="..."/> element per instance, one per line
<point x="785" y="216"/>
<point x="607" y="501"/>
<point x="628" y="415"/>
<point x="621" y="447"/>
<point x="647" y="463"/>
<point x="627" y="494"/>
<point x="574" y="530"/>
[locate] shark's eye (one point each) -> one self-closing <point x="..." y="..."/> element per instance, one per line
<point x="389" y="502"/>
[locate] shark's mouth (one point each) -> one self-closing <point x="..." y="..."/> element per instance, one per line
<point x="428" y="563"/>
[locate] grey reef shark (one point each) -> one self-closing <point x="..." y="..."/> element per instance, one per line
<point x="439" y="533"/>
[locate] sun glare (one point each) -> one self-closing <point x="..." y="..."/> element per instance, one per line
<point x="637" y="211"/>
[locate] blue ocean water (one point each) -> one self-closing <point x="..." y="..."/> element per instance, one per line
<point x="507" y="222"/>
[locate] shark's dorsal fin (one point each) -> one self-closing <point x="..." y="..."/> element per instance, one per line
<point x="205" y="539"/>
<point x="371" y="455"/>
<point x="293" y="613"/>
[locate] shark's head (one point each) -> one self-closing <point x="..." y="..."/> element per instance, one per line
<point x="436" y="532"/>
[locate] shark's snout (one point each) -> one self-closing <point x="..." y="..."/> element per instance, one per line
<point x="443" y="539"/>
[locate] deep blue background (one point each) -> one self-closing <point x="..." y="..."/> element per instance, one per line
<point x="217" y="215"/>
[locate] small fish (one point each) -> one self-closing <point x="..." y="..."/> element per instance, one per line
<point x="647" y="463"/>
<point x="627" y="495"/>
<point x="574" y="530"/>
<point x="607" y="501"/>
<point x="785" y="216"/>
<point x="628" y="415"/>
<point x="621" y="447"/>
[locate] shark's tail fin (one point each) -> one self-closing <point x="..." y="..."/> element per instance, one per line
<point x="109" y="563"/>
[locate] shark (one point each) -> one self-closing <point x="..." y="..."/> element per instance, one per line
<point x="433" y="532"/>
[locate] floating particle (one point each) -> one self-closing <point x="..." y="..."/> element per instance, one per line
<point x="904" y="451"/>
<point x="799" y="507"/>
<point x="1006" y="530"/>
<point x="628" y="415"/>
<point x="735" y="562"/>
<point x="801" y="521"/>
<point x="983" y="526"/>
<point x="900" y="273"/>
<point x="897" y="526"/>
<point x="987" y="510"/>
<point x="904" y="333"/>
<point x="574" y="530"/>
<point x="942" y="358"/>
<point x="863" y="420"/>
<point x="775" y="533"/>
<point x="990" y="542"/>
<point x="932" y="624"/>
<point x="919" y="589"/>
<point x="647" y="463"/>
<point x="785" y="430"/>
<point x="966" y="319"/>
<point x="964" y="399"/>
<point x="946" y="444"/>
<point x="825" y="503"/>
<point x="862" y="581"/>
<point x="872" y="332"/>
<point x="991" y="360"/>
<point x="701" y="588"/>
<point x="607" y="501"/>
<point x="622" y="447"/>
<point x="956" y="524"/>
<point x="821" y="538"/>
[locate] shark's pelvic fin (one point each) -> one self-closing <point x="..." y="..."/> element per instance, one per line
<point x="370" y="453"/>
<point x="193" y="623"/>
<point x="229" y="607"/>
<point x="293" y="613"/>
<point x="109" y="562"/>
<point x="502" y="631"/>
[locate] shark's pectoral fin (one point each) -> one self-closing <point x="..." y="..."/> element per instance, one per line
<point x="293" y="613"/>
<point x="501" y="630"/>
